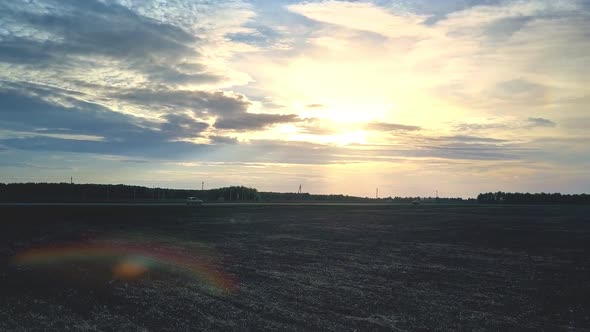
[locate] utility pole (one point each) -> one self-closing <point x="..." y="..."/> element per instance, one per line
<point x="71" y="180"/>
<point x="299" y="192"/>
<point x="203" y="186"/>
<point x="376" y="193"/>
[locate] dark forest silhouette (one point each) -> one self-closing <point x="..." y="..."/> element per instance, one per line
<point x="67" y="192"/>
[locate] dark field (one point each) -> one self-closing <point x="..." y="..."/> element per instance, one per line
<point x="296" y="268"/>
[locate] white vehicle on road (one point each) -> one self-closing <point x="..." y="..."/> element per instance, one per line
<point x="193" y="201"/>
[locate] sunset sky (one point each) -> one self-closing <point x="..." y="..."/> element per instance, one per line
<point x="410" y="96"/>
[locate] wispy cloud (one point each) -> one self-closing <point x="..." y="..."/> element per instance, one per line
<point x="540" y="122"/>
<point x="381" y="126"/>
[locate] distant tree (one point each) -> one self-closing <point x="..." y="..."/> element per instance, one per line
<point x="528" y="198"/>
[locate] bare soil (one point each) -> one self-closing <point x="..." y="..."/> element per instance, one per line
<point x="332" y="268"/>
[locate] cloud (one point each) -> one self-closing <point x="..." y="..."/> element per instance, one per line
<point x="201" y="103"/>
<point x="97" y="28"/>
<point x="230" y="110"/>
<point x="23" y="51"/>
<point x="479" y="60"/>
<point x="30" y="165"/>
<point x="223" y="140"/>
<point x="315" y="130"/>
<point x="315" y="106"/>
<point x="50" y="120"/>
<point x="470" y="139"/>
<point x="451" y="148"/>
<point x="53" y="122"/>
<point x="382" y="126"/>
<point x="70" y="35"/>
<point x="253" y="121"/>
<point x="362" y="16"/>
<point x="462" y="127"/>
<point x="540" y="122"/>
<point x="173" y="75"/>
<point x="182" y="126"/>
<point x="508" y="125"/>
<point x="269" y="103"/>
<point x="21" y="110"/>
<point x="93" y="27"/>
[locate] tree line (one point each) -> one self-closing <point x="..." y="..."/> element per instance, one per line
<point x="527" y="198"/>
<point x="68" y="192"/>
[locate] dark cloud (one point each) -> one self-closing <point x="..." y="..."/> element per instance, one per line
<point x="253" y="121"/>
<point x="83" y="31"/>
<point x="182" y="126"/>
<point x="382" y="126"/>
<point x="540" y="122"/>
<point x="201" y="103"/>
<point x="175" y="76"/>
<point x="23" y="111"/>
<point x="94" y="27"/>
<point x="40" y="111"/>
<point x="24" y="51"/>
<point x="121" y="134"/>
<point x="223" y="140"/>
<point x="231" y="110"/>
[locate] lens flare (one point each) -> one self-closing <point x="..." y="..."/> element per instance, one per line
<point x="129" y="270"/>
<point x="133" y="261"/>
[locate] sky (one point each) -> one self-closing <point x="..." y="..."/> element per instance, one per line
<point x="410" y="96"/>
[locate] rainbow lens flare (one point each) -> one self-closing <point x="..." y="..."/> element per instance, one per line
<point x="131" y="261"/>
